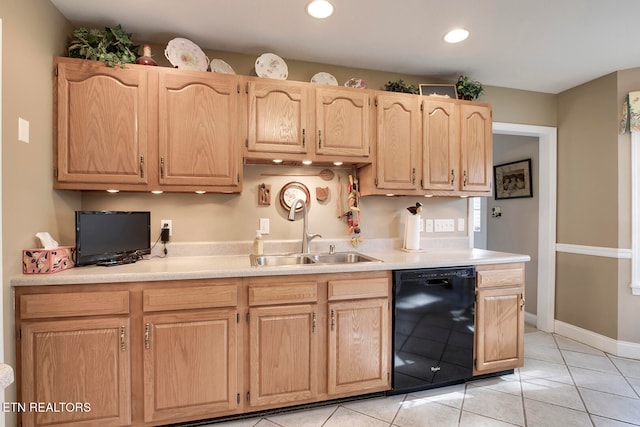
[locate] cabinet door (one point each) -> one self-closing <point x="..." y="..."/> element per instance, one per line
<point x="440" y="142"/>
<point x="86" y="361"/>
<point x="278" y="117"/>
<point x="283" y="349"/>
<point x="359" y="347"/>
<point x="190" y="364"/>
<point x="198" y="129"/>
<point x="476" y="147"/>
<point x="398" y="136"/>
<point x="499" y="329"/>
<point x="101" y="124"/>
<point x="342" y="122"/>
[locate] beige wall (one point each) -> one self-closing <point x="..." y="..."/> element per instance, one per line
<point x="33" y="31"/>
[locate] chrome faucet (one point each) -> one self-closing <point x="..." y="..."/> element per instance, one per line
<point x="306" y="236"/>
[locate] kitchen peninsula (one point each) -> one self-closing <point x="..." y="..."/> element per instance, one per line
<point x="185" y="338"/>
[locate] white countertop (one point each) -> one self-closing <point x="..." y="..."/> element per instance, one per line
<point x="215" y="266"/>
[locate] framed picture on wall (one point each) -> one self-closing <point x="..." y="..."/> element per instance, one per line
<point x="443" y="91"/>
<point x="513" y="180"/>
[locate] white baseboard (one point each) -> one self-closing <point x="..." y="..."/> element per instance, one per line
<point x="606" y="344"/>
<point x="531" y="318"/>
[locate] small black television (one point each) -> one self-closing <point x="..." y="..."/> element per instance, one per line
<point x="112" y="237"/>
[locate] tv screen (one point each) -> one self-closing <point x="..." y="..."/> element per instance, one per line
<point x="112" y="237"/>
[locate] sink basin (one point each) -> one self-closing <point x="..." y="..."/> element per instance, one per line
<point x="342" y="258"/>
<point x="276" y="260"/>
<point x="310" y="259"/>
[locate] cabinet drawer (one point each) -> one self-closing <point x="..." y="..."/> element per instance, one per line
<point x="190" y="298"/>
<point x="502" y="277"/>
<point x="40" y="306"/>
<point x="358" y="288"/>
<point x="283" y="294"/>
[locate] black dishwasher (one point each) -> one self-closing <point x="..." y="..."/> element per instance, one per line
<point x="433" y="327"/>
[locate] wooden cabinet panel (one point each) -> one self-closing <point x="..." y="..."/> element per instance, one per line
<point x="398" y="139"/>
<point x="77" y="361"/>
<point x="190" y="364"/>
<point x="499" y="333"/>
<point x="359" y="349"/>
<point x="476" y="147"/>
<point x="198" y="132"/>
<point x="283" y="354"/>
<point x="210" y="296"/>
<point x="440" y="145"/>
<point x="101" y="127"/>
<point x="342" y="122"/>
<point x="278" y="116"/>
<point x="358" y="288"/>
<point x="40" y="306"/>
<point x="286" y="293"/>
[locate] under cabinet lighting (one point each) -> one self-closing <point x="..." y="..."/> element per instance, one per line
<point x="428" y="195"/>
<point x="337" y="163"/>
<point x="113" y="191"/>
<point x="200" y="192"/>
<point x="277" y="160"/>
<point x="306" y="162"/>
<point x="320" y="9"/>
<point x="456" y="36"/>
<point x="156" y="192"/>
<point x="390" y="195"/>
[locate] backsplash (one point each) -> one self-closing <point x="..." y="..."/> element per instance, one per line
<point x="235" y="217"/>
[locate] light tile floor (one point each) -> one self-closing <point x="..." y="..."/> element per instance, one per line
<point x="563" y="383"/>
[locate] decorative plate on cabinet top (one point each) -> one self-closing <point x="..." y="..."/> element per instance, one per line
<point x="219" y="66"/>
<point x="356" y="83"/>
<point x="271" y="66"/>
<point x="323" y="78"/>
<point x="186" y="55"/>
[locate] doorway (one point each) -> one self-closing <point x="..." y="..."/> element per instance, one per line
<point x="547" y="184"/>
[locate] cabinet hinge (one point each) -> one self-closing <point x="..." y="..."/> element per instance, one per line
<point x="56" y="71"/>
<point x="246" y="143"/>
<point x="238" y="398"/>
<point x="248" y="317"/>
<point x="123" y="339"/>
<point x="248" y="397"/>
<point x="421" y="183"/>
<point x="422" y="106"/>
<point x="238" y="319"/>
<point x="55" y="172"/>
<point x="388" y="376"/>
<point x="20" y="334"/>
<point x="375" y="181"/>
<point x="238" y="177"/>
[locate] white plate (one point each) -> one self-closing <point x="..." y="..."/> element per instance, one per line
<point x="219" y="66"/>
<point x="271" y="66"/>
<point x="323" y="78"/>
<point x="357" y="83"/>
<point x="186" y="55"/>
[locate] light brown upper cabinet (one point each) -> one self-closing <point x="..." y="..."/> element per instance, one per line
<point x="145" y="128"/>
<point x="455" y="149"/>
<point x="295" y="121"/>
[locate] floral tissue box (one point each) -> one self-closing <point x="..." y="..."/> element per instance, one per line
<point x="38" y="261"/>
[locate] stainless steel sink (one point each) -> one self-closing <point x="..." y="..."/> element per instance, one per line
<point x="310" y="259"/>
<point x="342" y="258"/>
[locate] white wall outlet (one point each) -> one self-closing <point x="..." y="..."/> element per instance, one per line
<point x="460" y="224"/>
<point x="444" y="225"/>
<point x="428" y="225"/>
<point x="169" y="225"/>
<point x="23" y="130"/>
<point x="421" y="226"/>
<point x="264" y="226"/>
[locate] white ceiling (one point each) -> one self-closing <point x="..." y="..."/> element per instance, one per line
<point x="539" y="45"/>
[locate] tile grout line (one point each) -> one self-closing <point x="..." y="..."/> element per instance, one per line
<point x="626" y="380"/>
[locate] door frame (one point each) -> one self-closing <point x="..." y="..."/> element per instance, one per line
<point x="548" y="180"/>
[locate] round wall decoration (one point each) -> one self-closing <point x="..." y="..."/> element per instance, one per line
<point x="292" y="191"/>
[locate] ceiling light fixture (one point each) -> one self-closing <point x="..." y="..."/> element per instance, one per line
<point x="456" y="36"/>
<point x="320" y="9"/>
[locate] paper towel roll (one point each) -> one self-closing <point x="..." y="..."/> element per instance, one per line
<point x="412" y="232"/>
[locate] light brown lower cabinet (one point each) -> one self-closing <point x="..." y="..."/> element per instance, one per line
<point x="499" y="332"/>
<point x="156" y="353"/>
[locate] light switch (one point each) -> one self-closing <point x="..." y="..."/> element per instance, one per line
<point x="428" y="223"/>
<point x="460" y="224"/>
<point x="264" y="226"/>
<point x="23" y="130"/>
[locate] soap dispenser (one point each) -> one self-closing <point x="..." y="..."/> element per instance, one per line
<point x="258" y="244"/>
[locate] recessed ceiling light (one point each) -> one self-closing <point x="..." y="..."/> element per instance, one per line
<point x="456" y="36"/>
<point x="320" y="9"/>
